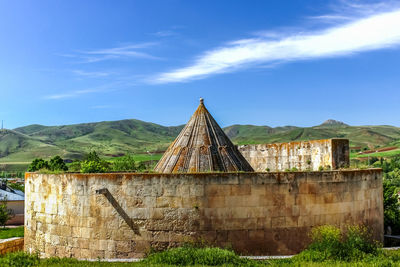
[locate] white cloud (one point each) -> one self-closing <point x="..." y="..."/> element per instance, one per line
<point x="92" y="74"/>
<point x="105" y="88"/>
<point x="375" y="31"/>
<point x="72" y="94"/>
<point x="120" y="52"/>
<point x="165" y="33"/>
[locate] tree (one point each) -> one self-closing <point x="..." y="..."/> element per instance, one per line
<point x="94" y="166"/>
<point x="38" y="164"/>
<point x="92" y="156"/>
<point x="391" y="207"/>
<point x="57" y="164"/>
<point x="92" y="163"/>
<point x="125" y="163"/>
<point x="5" y="213"/>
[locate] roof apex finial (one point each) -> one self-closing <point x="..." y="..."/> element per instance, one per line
<point x="201" y="100"/>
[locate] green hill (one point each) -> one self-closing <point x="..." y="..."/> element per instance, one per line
<point x="114" y="138"/>
<point x="109" y="138"/>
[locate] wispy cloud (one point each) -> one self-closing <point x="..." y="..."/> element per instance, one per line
<point x="92" y="74"/>
<point x="165" y="33"/>
<point x="106" y="88"/>
<point x="369" y="32"/>
<point x="72" y="94"/>
<point x="120" y="52"/>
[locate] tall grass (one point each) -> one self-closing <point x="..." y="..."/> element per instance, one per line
<point x="329" y="243"/>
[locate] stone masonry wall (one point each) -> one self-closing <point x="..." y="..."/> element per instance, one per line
<point x="302" y="155"/>
<point x="123" y="215"/>
<point x="11" y="245"/>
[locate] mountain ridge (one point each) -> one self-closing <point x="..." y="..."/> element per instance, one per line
<point x="135" y="136"/>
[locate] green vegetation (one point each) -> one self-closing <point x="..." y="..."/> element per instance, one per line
<point x="11" y="232"/>
<point x="126" y="163"/>
<point x="56" y="164"/>
<point x="5" y="174"/>
<point x="391" y="186"/>
<point x="16" y="186"/>
<point x="330" y="244"/>
<point x="92" y="163"/>
<point x="5" y="213"/>
<point x="190" y="255"/>
<point x="114" y="139"/>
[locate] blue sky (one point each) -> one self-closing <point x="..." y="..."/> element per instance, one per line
<point x="254" y="62"/>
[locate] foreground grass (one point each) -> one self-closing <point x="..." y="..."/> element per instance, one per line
<point x="330" y="246"/>
<point x="209" y="256"/>
<point x="11" y="232"/>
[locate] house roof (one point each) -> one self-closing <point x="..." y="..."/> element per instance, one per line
<point x="202" y="146"/>
<point x="11" y="194"/>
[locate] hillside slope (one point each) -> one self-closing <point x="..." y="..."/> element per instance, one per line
<point x="113" y="138"/>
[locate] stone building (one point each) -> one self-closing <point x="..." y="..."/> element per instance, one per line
<point x="203" y="190"/>
<point x="310" y="155"/>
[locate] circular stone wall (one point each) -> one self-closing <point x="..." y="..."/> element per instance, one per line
<point x="123" y="215"/>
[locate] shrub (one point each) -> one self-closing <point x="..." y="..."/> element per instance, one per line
<point x="57" y="164"/>
<point x="19" y="259"/>
<point x="92" y="163"/>
<point x="75" y="166"/>
<point x="189" y="255"/>
<point x="94" y="166"/>
<point x="391" y="207"/>
<point x="125" y="163"/>
<point x="38" y="164"/>
<point x="330" y="244"/>
<point x="5" y="213"/>
<point x="92" y="156"/>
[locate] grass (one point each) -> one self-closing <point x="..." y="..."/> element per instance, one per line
<point x="11" y="232"/>
<point x="387" y="258"/>
<point x="384" y="154"/>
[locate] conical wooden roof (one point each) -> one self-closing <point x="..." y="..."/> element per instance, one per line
<point x="202" y="146"/>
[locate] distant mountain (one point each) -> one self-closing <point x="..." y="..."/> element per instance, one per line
<point x="331" y="122"/>
<point x="108" y="138"/>
<point x="113" y="138"/>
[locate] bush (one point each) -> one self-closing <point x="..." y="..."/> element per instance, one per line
<point x="38" y="164"/>
<point x="92" y="163"/>
<point x="189" y="255"/>
<point x="19" y="259"/>
<point x="391" y="207"/>
<point x="330" y="244"/>
<point x="125" y="163"/>
<point x="75" y="166"/>
<point x="57" y="164"/>
<point x="94" y="166"/>
<point x="5" y="213"/>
